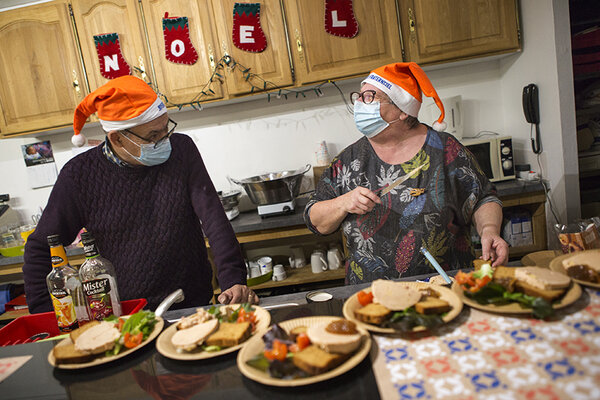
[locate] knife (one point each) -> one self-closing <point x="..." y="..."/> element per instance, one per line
<point x="399" y="181"/>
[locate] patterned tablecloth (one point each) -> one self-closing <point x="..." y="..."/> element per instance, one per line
<point x="482" y="355"/>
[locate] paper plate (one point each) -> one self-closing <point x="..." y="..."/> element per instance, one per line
<point x="352" y="304"/>
<point x="256" y="346"/>
<point x="569" y="298"/>
<point x="160" y="323"/>
<point x="166" y="348"/>
<point x="583" y="257"/>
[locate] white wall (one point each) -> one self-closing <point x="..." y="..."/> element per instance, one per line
<point x="251" y="137"/>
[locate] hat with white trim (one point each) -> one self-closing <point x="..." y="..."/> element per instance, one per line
<point x="404" y="83"/>
<point x="121" y="103"/>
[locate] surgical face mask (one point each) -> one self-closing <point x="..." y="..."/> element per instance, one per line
<point x="368" y="118"/>
<point x="150" y="155"/>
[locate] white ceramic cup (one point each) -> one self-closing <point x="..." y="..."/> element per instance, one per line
<point x="254" y="270"/>
<point x="279" y="273"/>
<point x="318" y="262"/>
<point x="334" y="258"/>
<point x="265" y="264"/>
<point x="298" y="256"/>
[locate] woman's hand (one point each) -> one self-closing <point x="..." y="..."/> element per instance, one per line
<point x="493" y="247"/>
<point x="359" y="201"/>
<point x="238" y="294"/>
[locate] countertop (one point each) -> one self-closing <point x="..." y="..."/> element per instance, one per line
<point x="250" y="221"/>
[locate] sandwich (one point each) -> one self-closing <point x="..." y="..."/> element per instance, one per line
<point x="393" y="301"/>
<point x="584" y="267"/>
<point x="532" y="281"/>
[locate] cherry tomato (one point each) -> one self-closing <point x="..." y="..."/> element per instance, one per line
<point x="365" y="298"/>
<point x="131" y="341"/>
<point x="302" y="341"/>
<point x="120" y="324"/>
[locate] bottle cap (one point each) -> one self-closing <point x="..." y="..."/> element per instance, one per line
<point x="54" y="240"/>
<point x="86" y="237"/>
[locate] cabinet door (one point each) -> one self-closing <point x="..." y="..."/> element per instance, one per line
<point x="182" y="83"/>
<point x="111" y="16"/>
<point x="272" y="64"/>
<point x="442" y="30"/>
<point x="320" y="56"/>
<point x="38" y="68"/>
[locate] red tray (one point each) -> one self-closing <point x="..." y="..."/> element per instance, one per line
<point x="23" y="328"/>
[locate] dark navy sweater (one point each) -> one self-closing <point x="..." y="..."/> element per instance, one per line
<point x="148" y="221"/>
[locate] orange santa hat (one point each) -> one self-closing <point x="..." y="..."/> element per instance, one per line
<point x="121" y="103"/>
<point x="404" y="84"/>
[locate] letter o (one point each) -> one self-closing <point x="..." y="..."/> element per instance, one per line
<point x="177" y="48"/>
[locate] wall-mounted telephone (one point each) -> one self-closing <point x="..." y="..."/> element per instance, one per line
<point x="531" y="109"/>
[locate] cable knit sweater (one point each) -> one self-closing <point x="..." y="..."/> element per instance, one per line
<point x="147" y="221"/>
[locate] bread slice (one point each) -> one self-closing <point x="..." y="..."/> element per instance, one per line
<point x="314" y="360"/>
<point x="478" y="262"/>
<point x="432" y="305"/>
<point x="373" y="313"/>
<point x="230" y="334"/>
<point x="77" y="332"/>
<point x="68" y="354"/>
<point x="505" y="276"/>
<point x="548" y="295"/>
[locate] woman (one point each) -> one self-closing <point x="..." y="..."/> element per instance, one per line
<point x="445" y="190"/>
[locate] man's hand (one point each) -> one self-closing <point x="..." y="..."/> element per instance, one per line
<point x="359" y="201"/>
<point x="238" y="294"/>
<point x="493" y="248"/>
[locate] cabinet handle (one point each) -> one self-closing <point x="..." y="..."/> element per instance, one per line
<point x="76" y="84"/>
<point x="211" y="57"/>
<point x="411" y="25"/>
<point x="142" y="68"/>
<point x="299" y="46"/>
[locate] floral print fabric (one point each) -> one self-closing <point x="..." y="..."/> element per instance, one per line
<point x="432" y="209"/>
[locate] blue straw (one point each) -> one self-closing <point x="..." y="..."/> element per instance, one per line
<point x="435" y="264"/>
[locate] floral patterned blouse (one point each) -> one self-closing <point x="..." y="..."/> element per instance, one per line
<point x="433" y="208"/>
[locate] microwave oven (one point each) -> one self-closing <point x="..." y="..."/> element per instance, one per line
<point x="494" y="155"/>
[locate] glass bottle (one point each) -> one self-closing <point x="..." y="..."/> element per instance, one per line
<point x="99" y="281"/>
<point x="65" y="289"/>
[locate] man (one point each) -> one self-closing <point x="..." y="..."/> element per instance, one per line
<point x="433" y="208"/>
<point x="147" y="198"/>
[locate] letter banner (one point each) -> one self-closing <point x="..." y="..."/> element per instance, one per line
<point x="112" y="63"/>
<point x="247" y="32"/>
<point x="178" y="46"/>
<point x="339" y="18"/>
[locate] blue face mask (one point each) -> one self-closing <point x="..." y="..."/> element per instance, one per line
<point x="368" y="118"/>
<point x="149" y="155"/>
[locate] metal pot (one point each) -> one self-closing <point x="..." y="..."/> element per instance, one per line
<point x="273" y="187"/>
<point x="229" y="199"/>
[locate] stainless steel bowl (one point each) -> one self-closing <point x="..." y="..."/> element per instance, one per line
<point x="273" y="187"/>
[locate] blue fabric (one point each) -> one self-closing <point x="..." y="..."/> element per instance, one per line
<point x="4" y="296"/>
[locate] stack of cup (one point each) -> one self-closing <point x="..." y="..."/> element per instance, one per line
<point x="322" y="154"/>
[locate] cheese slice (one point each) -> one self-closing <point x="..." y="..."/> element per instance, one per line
<point x="396" y="296"/>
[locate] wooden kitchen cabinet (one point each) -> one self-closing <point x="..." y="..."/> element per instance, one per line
<point x="436" y="31"/>
<point x="319" y="56"/>
<point x="111" y="16"/>
<point x="183" y="83"/>
<point x="272" y="64"/>
<point x="42" y="78"/>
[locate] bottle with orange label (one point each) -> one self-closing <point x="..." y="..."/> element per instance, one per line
<point x="65" y="289"/>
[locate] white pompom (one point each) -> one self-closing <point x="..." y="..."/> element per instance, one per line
<point x="78" y="140"/>
<point x="439" y="126"/>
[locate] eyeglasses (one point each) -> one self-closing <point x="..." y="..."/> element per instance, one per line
<point x="171" y="125"/>
<point x="367" y="97"/>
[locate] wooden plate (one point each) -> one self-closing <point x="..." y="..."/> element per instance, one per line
<point x="582" y="256"/>
<point x="160" y="323"/>
<point x="166" y="348"/>
<point x="569" y="298"/>
<point x="255" y="346"/>
<point x="352" y="304"/>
